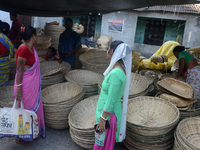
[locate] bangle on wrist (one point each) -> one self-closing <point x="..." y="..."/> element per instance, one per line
<point x="103" y="118"/>
<point x="19" y="85"/>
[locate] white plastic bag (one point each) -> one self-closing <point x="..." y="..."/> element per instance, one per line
<point x="18" y="122"/>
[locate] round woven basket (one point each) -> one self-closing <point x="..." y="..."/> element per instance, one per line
<point x="43" y="42"/>
<point x="139" y="85"/>
<point x="82" y="126"/>
<point x="88" y="79"/>
<point x="6" y="96"/>
<point x="52" y="72"/>
<point x="94" y="60"/>
<point x="54" y="30"/>
<point x="58" y="100"/>
<point x="188" y="134"/>
<point x="150" y="123"/>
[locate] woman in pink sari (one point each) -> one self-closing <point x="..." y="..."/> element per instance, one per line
<point x="27" y="85"/>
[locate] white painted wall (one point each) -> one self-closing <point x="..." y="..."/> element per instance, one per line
<point x="5" y="17"/>
<point x="39" y="22"/>
<point x="191" y="36"/>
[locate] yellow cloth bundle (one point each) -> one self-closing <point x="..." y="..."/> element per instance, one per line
<point x="166" y="49"/>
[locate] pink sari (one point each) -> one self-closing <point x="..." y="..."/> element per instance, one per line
<point x="31" y="88"/>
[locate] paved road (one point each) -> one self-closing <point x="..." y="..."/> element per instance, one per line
<point x="55" y="140"/>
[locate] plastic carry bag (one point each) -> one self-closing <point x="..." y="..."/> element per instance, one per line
<point x="18" y="122"/>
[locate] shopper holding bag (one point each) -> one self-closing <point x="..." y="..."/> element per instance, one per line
<point x="27" y="85"/>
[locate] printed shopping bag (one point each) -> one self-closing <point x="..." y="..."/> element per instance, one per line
<point x="18" y="122"/>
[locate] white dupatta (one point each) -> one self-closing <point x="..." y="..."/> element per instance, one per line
<point x="123" y="51"/>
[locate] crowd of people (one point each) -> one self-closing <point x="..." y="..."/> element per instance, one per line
<point x="110" y="114"/>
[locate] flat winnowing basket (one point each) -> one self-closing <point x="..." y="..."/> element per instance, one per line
<point x="83" y="77"/>
<point x="177" y="87"/>
<point x="178" y="101"/>
<point x="188" y="132"/>
<point x="50" y="66"/>
<point x="94" y="60"/>
<point x="78" y="117"/>
<point x="61" y="92"/>
<point x="6" y="96"/>
<point x="152" y="113"/>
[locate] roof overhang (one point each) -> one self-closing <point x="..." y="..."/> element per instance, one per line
<point x="56" y="8"/>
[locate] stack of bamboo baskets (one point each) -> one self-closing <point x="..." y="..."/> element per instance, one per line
<point x="181" y="94"/>
<point x="43" y="43"/>
<point x="88" y="79"/>
<point x="54" y="30"/>
<point x="94" y="60"/>
<point x="187" y="135"/>
<point x="58" y="100"/>
<point x="82" y="121"/>
<point x="78" y="64"/>
<point x="150" y="123"/>
<point x="52" y="72"/>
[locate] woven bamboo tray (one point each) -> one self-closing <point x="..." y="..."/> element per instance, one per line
<point x="6" y="96"/>
<point x="88" y="79"/>
<point x="178" y="101"/>
<point x="94" y="60"/>
<point x="52" y="66"/>
<point x="78" y="117"/>
<point x="61" y="92"/>
<point x="177" y="87"/>
<point x="188" y="133"/>
<point x="151" y="113"/>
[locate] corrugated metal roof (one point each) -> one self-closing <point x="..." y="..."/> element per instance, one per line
<point x="190" y="8"/>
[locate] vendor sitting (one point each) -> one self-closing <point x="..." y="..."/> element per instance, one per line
<point x="51" y="54"/>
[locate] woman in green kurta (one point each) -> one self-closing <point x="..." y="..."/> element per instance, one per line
<point x="109" y="105"/>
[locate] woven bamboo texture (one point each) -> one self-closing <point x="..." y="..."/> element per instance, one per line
<point x="94" y="60"/>
<point x="187" y="135"/>
<point x="178" y="101"/>
<point x="88" y="79"/>
<point x="58" y="100"/>
<point x="6" y="96"/>
<point x="82" y="126"/>
<point x="177" y="87"/>
<point x="52" y="72"/>
<point x="172" y="75"/>
<point x="78" y="64"/>
<point x="54" y="31"/>
<point x="150" y="123"/>
<point x="138" y="85"/>
<point x="43" y="42"/>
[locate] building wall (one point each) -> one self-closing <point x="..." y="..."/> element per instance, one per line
<point x="39" y="22"/>
<point x="190" y="38"/>
<point x="5" y="17"/>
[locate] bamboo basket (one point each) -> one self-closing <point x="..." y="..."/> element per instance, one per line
<point x="43" y="42"/>
<point x="82" y="126"/>
<point x="150" y="123"/>
<point x="52" y="72"/>
<point x="177" y="87"/>
<point x="58" y="100"/>
<point x="94" y="60"/>
<point x="54" y="30"/>
<point x="138" y="85"/>
<point x="88" y="79"/>
<point x="188" y="134"/>
<point x="6" y="96"/>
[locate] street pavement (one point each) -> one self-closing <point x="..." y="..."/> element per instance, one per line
<point x="55" y="140"/>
